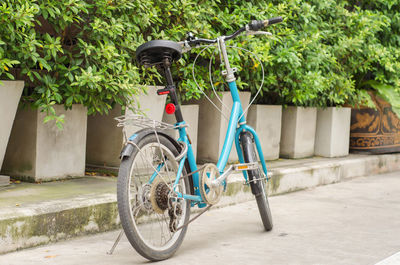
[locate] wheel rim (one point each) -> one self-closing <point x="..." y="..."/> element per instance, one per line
<point x="151" y="226"/>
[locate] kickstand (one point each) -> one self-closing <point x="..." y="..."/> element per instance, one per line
<point x="115" y="243"/>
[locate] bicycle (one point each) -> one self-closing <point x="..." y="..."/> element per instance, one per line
<point x="158" y="179"/>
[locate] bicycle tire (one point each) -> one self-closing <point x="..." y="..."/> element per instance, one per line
<point x="256" y="181"/>
<point x="129" y="206"/>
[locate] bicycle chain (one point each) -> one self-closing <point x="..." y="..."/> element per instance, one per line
<point x="174" y="213"/>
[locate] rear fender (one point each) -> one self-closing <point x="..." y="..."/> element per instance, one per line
<point x="135" y="138"/>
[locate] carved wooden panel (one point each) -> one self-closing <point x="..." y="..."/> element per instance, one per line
<point x="375" y="131"/>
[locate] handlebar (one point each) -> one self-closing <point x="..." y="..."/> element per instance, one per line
<point x="274" y="20"/>
<point x="254" y="25"/>
<point x="259" y="24"/>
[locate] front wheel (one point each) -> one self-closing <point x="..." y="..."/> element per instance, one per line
<point x="256" y="179"/>
<point x="150" y="213"/>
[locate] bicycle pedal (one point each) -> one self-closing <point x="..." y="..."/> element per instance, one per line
<point x="246" y="166"/>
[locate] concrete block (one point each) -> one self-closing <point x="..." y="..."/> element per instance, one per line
<point x="327" y="174"/>
<point x="298" y="132"/>
<point x="4" y="180"/>
<point x="105" y="139"/>
<point x="213" y="126"/>
<point x="333" y="132"/>
<point x="372" y="165"/>
<point x="388" y="163"/>
<point x="42" y="152"/>
<point x="50" y="221"/>
<point x="288" y="180"/>
<point x="191" y="116"/>
<point x="301" y="177"/>
<point x="353" y="168"/>
<point x="151" y="104"/>
<point x="10" y="92"/>
<point x="267" y="121"/>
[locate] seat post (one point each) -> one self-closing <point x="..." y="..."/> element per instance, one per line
<point x="171" y="87"/>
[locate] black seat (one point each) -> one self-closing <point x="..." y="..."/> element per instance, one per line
<point x="154" y="51"/>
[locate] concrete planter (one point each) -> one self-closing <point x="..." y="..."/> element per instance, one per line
<point x="213" y="127"/>
<point x="333" y="132"/>
<point x="191" y="115"/>
<point x="267" y="121"/>
<point x="298" y="132"/>
<point x="42" y="152"/>
<point x="10" y="92"/>
<point x="105" y="139"/>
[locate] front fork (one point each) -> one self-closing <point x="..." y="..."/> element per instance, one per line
<point x="245" y="128"/>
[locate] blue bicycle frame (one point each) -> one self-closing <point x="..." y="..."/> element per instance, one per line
<point x="232" y="134"/>
<point x="237" y="125"/>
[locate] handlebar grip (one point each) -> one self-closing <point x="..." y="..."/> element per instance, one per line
<point x="256" y="25"/>
<point x="259" y="24"/>
<point x="275" y="20"/>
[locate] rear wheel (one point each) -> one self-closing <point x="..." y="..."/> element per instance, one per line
<point x="256" y="179"/>
<point x="149" y="212"/>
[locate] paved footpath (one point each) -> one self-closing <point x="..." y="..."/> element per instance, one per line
<point x="352" y="222"/>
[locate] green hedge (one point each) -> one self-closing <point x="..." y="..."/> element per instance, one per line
<point x="82" y="51"/>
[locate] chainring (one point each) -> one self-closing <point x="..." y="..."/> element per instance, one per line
<point x="211" y="193"/>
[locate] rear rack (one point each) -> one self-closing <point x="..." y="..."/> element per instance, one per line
<point x="143" y="122"/>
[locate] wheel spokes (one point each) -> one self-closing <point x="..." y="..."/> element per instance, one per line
<point x="153" y="227"/>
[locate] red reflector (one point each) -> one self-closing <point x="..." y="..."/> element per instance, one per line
<point x="163" y="92"/>
<point x="170" y="108"/>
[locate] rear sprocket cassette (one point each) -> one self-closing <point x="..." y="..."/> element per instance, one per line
<point x="159" y="196"/>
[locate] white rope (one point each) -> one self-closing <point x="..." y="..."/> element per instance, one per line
<point x="195" y="81"/>
<point x="262" y="80"/>
<point x="212" y="84"/>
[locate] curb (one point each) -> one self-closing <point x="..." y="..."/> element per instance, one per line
<point x="285" y="179"/>
<point x="55" y="220"/>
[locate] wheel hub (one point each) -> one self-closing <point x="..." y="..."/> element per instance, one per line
<point x="144" y="196"/>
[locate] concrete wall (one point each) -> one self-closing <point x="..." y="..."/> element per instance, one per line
<point x="42" y="152"/>
<point x="105" y="139"/>
<point x="152" y="105"/>
<point x="298" y="132"/>
<point x="267" y="121"/>
<point x="213" y="127"/>
<point x="333" y="132"/>
<point x="191" y="116"/>
<point x="20" y="158"/>
<point x="10" y="92"/>
<point x="61" y="153"/>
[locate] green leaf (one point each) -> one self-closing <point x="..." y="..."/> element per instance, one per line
<point x="69" y="100"/>
<point x="390" y="94"/>
<point x="48" y="118"/>
<point x="10" y="76"/>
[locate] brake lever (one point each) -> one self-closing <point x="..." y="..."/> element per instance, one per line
<point x="185" y="46"/>
<point x="251" y="32"/>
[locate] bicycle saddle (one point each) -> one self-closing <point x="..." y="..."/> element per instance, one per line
<point x="154" y="51"/>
